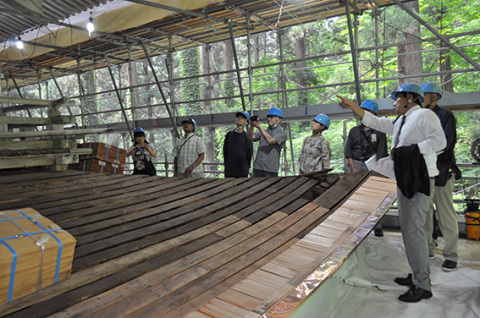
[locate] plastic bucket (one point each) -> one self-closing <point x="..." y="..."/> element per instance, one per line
<point x="472" y="223"/>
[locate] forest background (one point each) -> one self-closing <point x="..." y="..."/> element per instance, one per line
<point x="321" y="68"/>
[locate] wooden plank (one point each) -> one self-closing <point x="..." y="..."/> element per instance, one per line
<point x="127" y="203"/>
<point x="45" y="133"/>
<point x="15" y="121"/>
<point x="26" y="178"/>
<point x="342" y="188"/>
<point x="33" y="189"/>
<point x="101" y="189"/>
<point x="26" y="162"/>
<point x="222" y="309"/>
<point x="35" y="144"/>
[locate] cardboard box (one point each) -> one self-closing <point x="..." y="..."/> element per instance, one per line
<point x="105" y="152"/>
<point x="99" y="166"/>
<point x="34" y="253"/>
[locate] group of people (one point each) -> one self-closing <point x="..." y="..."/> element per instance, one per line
<point x="420" y="132"/>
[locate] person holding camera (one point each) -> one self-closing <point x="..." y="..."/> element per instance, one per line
<point x="142" y="153"/>
<point x="316" y="151"/>
<point x="238" y="149"/>
<point x="189" y="152"/>
<point x="271" y="141"/>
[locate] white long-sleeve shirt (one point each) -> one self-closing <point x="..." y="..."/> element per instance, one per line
<point x="422" y="127"/>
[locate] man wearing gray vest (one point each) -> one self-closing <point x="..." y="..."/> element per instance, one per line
<point x="271" y="141"/>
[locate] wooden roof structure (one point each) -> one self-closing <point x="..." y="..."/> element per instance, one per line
<point x="178" y="26"/>
<point x="168" y="247"/>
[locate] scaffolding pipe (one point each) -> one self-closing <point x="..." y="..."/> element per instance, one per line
<point x="119" y="97"/>
<point x="284" y="97"/>
<point x="132" y="91"/>
<point x="237" y="66"/>
<point x="171" y="81"/>
<point x="377" y="69"/>
<point x="54" y="78"/>
<point x="147" y="57"/>
<point x="353" y="50"/>
<point x="249" y="67"/>
<point x="443" y="39"/>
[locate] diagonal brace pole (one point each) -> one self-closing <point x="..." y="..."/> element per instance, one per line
<point x="147" y="56"/>
<point x="354" y="52"/>
<point x="237" y="67"/>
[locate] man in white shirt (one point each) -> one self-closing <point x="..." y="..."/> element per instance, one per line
<point x="421" y="130"/>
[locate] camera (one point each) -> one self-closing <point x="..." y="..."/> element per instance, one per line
<point x="254" y="118"/>
<point x="138" y="151"/>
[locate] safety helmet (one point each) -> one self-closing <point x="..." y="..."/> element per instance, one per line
<point x="322" y="119"/>
<point x="409" y="88"/>
<point x="429" y="87"/>
<point x="191" y="121"/>
<point x="274" y="111"/>
<point x="370" y="105"/>
<point x="244" y="114"/>
<point x="138" y="132"/>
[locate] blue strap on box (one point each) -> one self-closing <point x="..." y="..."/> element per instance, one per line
<point x="14" y="267"/>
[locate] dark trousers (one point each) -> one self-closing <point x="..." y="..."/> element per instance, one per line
<point x="263" y="173"/>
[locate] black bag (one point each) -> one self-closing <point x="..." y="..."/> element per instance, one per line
<point x="149" y="166"/>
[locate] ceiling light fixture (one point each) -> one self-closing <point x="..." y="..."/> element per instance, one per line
<point x="19" y="43"/>
<point x="90" y="26"/>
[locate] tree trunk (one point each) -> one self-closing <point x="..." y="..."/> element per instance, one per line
<point x="90" y="105"/>
<point x="444" y="63"/>
<point x="191" y="90"/>
<point x="208" y="133"/>
<point x="302" y="97"/>
<point x="228" y="85"/>
<point x="411" y="63"/>
<point x="256" y="49"/>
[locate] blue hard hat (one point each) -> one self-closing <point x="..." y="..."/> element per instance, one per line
<point x="274" y="111"/>
<point x="322" y="119"/>
<point x="191" y="121"/>
<point x="429" y="87"/>
<point x="245" y="114"/>
<point x="370" y="105"/>
<point x="139" y="130"/>
<point x="409" y="88"/>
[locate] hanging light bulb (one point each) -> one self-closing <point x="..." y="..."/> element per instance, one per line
<point x="90" y="26"/>
<point x="19" y="43"/>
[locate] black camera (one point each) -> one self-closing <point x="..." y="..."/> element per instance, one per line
<point x="254" y="118"/>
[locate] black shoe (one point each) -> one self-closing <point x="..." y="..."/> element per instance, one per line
<point x="404" y="281"/>
<point x="449" y="265"/>
<point x="415" y="294"/>
<point x="378" y="232"/>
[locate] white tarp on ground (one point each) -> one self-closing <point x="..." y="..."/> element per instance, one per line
<point x="363" y="286"/>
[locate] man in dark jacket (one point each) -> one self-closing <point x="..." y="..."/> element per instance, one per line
<point x="444" y="182"/>
<point x="238" y="149"/>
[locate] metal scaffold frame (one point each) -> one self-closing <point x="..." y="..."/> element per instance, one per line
<point x="127" y="95"/>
